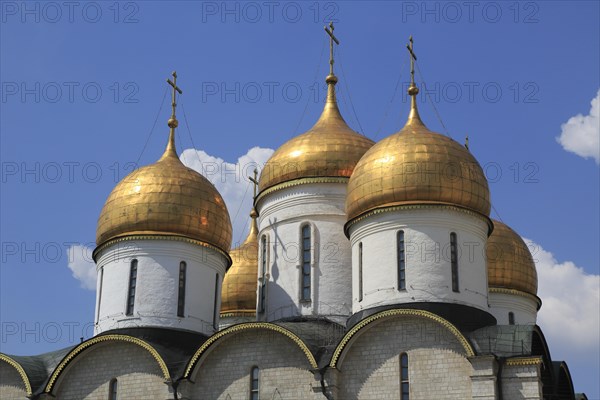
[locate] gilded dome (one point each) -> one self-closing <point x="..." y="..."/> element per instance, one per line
<point x="329" y="149"/>
<point x="166" y="198"/>
<point x="238" y="294"/>
<point x="417" y="166"/>
<point x="509" y="262"/>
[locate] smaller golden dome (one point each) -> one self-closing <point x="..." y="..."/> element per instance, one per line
<point x="238" y="294"/>
<point x="166" y="198"/>
<point x="329" y="149"/>
<point x="509" y="262"/>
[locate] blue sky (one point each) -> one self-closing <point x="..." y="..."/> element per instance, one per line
<point x="82" y="88"/>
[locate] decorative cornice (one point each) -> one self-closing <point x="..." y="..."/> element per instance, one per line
<point x="516" y="292"/>
<point x="298" y="182"/>
<point x="105" y="338"/>
<point x="417" y="206"/>
<point x="242" y="327"/>
<point x="20" y="370"/>
<point x="522" y="361"/>
<point x="399" y="312"/>
<point x="176" y="238"/>
<point x="238" y="313"/>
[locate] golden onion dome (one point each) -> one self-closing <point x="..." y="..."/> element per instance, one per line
<point x="330" y="149"/>
<point x="509" y="261"/>
<point x="166" y="198"/>
<point x="417" y="166"/>
<point x="238" y="294"/>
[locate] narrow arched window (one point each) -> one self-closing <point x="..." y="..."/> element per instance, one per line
<point x="216" y="302"/>
<point x="401" y="261"/>
<point x="306" y="256"/>
<point x="181" y="292"/>
<point x="254" y="383"/>
<point x="360" y="271"/>
<point x="404" y="383"/>
<point x="454" y="261"/>
<point x="113" y="389"/>
<point x="263" y="274"/>
<point x="132" y="285"/>
<point x="511" y="318"/>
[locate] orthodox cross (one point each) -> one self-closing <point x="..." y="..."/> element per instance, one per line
<point x="413" y="58"/>
<point x="332" y="39"/>
<point x="176" y="89"/>
<point x="254" y="182"/>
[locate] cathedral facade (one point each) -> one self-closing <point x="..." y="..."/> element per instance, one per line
<point x="370" y="271"/>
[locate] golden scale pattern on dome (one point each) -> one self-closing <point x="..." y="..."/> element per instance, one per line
<point x="329" y="149"/>
<point x="238" y="292"/>
<point x="166" y="198"/>
<point x="417" y="166"/>
<point x="509" y="261"/>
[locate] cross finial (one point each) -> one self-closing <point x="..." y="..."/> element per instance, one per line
<point x="253" y="212"/>
<point x="254" y="183"/>
<point x="412" y="90"/>
<point x="332" y="39"/>
<point x="170" y="151"/>
<point x="173" y="120"/>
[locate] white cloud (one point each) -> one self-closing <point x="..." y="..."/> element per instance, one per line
<point x="82" y="266"/>
<point x="581" y="133"/>
<point x="231" y="180"/>
<point x="570" y="313"/>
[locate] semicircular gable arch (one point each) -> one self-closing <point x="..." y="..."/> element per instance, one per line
<point x="217" y="337"/>
<point x="564" y="383"/>
<point x="20" y="370"/>
<point x="398" y="312"/>
<point x="102" y="339"/>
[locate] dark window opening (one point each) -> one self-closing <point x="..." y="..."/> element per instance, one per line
<point x="216" y="302"/>
<point x="113" y="389"/>
<point x="511" y="318"/>
<point x="401" y="261"/>
<point x="181" y="292"/>
<point x="254" y="384"/>
<point x="404" y="383"/>
<point x="360" y="271"/>
<point x="132" y="285"/>
<point x="454" y="261"/>
<point x="306" y="256"/>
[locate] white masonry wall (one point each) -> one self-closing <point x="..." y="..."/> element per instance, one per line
<point x="88" y="376"/>
<point x="157" y="286"/>
<point x="427" y="250"/>
<point x="523" y="307"/>
<point x="437" y="364"/>
<point x="282" y="214"/>
<point x="224" y="373"/>
<point x="522" y="382"/>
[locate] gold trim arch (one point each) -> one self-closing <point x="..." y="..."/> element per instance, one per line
<point x="105" y="338"/>
<point x="20" y="370"/>
<point x="399" y="312"/>
<point x="246" y="326"/>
